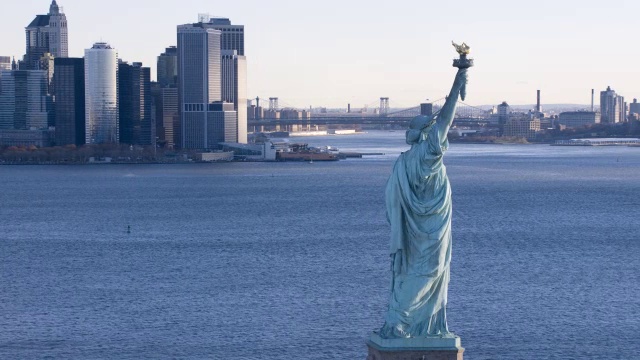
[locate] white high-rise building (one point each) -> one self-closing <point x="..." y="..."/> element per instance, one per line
<point x="612" y="107"/>
<point x="58" y="33"/>
<point x="101" y="94"/>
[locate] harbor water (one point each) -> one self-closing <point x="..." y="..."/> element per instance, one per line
<point x="289" y="260"/>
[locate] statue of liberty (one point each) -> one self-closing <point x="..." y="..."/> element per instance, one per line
<point x="418" y="201"/>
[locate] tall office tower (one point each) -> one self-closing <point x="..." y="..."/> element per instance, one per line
<point x="24" y="102"/>
<point x="612" y="107"/>
<point x="503" y="113"/>
<point x="47" y="64"/>
<point x="5" y="63"/>
<point x="165" y="102"/>
<point x="58" y="33"/>
<point x="234" y="67"/>
<point x="232" y="35"/>
<point x="634" y="110"/>
<point x="46" y="33"/>
<point x="234" y="88"/>
<point x="199" y="89"/>
<point x="167" y="72"/>
<point x="165" y="96"/>
<point x="134" y="103"/>
<point x="69" y="105"/>
<point x="101" y="94"/>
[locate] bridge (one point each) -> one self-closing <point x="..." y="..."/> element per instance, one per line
<point x="466" y="115"/>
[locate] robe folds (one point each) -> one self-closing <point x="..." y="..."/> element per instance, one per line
<point x="418" y="201"/>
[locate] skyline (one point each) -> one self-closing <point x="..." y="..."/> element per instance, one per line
<point x="334" y="53"/>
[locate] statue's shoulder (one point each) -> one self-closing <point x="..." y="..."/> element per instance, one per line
<point x="419" y="122"/>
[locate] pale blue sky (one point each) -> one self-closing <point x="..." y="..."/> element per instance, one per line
<point x="330" y="52"/>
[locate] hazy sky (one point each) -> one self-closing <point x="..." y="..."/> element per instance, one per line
<point x="331" y="52"/>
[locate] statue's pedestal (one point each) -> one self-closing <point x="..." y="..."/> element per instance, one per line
<point x="427" y="348"/>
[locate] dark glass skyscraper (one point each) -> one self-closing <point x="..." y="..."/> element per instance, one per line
<point x="167" y="116"/>
<point x="69" y="105"/>
<point x="167" y="71"/>
<point x="24" y="102"/>
<point x="134" y="99"/>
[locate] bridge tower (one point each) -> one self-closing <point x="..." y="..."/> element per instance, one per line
<point x="384" y="106"/>
<point x="273" y="104"/>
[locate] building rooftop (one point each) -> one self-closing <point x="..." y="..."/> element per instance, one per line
<point x="101" y="45"/>
<point x="40" y="21"/>
<point x="219" y="21"/>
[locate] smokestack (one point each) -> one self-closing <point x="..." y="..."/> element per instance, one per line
<point x="593" y="95"/>
<point x="348" y="108"/>
<point x="538" y="108"/>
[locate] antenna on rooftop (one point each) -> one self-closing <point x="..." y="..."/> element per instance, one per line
<point x="203" y="17"/>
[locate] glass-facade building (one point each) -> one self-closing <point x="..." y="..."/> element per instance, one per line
<point x="166" y="108"/>
<point x="70" y="101"/>
<point x="101" y="94"/>
<point x="134" y="105"/>
<point x="24" y="101"/>
<point x="5" y="63"/>
<point x="167" y="71"/>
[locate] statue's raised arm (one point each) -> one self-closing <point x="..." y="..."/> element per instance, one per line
<point x="448" y="111"/>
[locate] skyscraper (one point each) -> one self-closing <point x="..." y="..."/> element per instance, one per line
<point x="200" y="87"/>
<point x="101" y="94"/>
<point x="70" y="103"/>
<point x="165" y="99"/>
<point x="46" y="34"/>
<point x="167" y="72"/>
<point x="5" y="63"/>
<point x="634" y="110"/>
<point x="24" y="102"/>
<point x="134" y="104"/>
<point x="234" y="68"/>
<point x="47" y="64"/>
<point x="612" y="107"/>
<point x="503" y="112"/>
<point x="165" y="102"/>
<point x="234" y="89"/>
<point x="58" y="33"/>
<point x="232" y="35"/>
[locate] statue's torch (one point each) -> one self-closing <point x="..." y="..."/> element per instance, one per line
<point x="462" y="63"/>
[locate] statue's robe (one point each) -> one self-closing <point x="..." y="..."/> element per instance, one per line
<point x="418" y="200"/>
